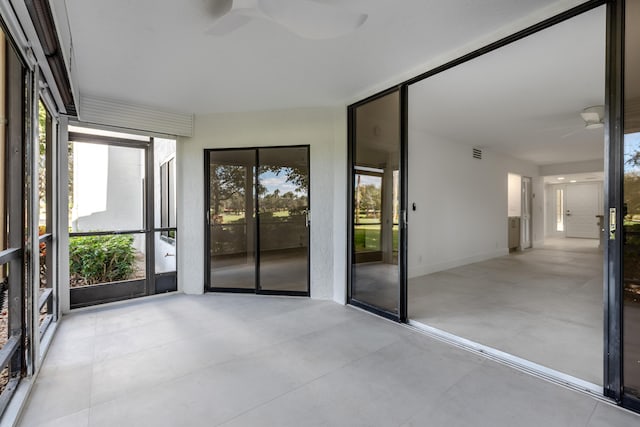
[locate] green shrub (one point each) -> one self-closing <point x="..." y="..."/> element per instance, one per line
<point x="101" y="259"/>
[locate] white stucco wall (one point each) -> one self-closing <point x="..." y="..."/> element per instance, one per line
<point x="324" y="130"/>
<point x="461" y="202"/>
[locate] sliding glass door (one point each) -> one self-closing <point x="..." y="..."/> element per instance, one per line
<point x="375" y="242"/>
<point x="631" y="210"/>
<point x="283" y="220"/>
<point x="231" y="217"/>
<point x="258" y="220"/>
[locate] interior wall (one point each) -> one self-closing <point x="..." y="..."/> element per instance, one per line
<point x="514" y="197"/>
<point x="324" y="130"/>
<point x="340" y="180"/>
<point x="461" y="203"/>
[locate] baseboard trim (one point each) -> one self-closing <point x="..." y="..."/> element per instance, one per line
<point x="434" y="268"/>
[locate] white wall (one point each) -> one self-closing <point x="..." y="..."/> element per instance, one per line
<point x="514" y="198"/>
<point x="461" y="202"/>
<point x="324" y="129"/>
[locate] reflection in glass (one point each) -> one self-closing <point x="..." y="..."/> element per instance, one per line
<point x="231" y="174"/>
<point x="165" y="252"/>
<point x="43" y="267"/>
<point x="368" y="213"/>
<point x="107" y="189"/>
<point x="44" y="123"/>
<point x="283" y="198"/>
<point x="376" y="276"/>
<point x="631" y="187"/>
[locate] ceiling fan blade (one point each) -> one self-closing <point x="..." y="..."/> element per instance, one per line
<point x="311" y="19"/>
<point x="218" y="8"/>
<point x="228" y="23"/>
<point x="573" y="132"/>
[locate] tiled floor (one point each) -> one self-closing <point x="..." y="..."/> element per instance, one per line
<point x="246" y="360"/>
<point x="544" y="305"/>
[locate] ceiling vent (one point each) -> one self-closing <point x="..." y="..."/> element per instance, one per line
<point x="477" y="153"/>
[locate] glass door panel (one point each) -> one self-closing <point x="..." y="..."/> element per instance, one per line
<point x="165" y="219"/>
<point x="631" y="197"/>
<point x="231" y="219"/>
<point x="108" y="249"/>
<point x="283" y="220"/>
<point x="107" y="188"/>
<point x="376" y="149"/>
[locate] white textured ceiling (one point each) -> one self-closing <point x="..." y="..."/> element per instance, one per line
<point x="524" y="99"/>
<point x="157" y="52"/>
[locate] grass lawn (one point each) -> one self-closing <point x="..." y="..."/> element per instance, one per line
<point x="231" y="218"/>
<point x="367" y="237"/>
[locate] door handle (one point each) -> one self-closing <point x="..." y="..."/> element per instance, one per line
<point x="613" y="226"/>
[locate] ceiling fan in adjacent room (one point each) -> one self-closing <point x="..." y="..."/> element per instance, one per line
<point x="593" y="119"/>
<point x="310" y="19"/>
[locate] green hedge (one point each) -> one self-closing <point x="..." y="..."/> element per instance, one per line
<point x="101" y="259"/>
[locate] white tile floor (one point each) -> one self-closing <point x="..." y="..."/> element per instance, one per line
<point x="246" y="360"/>
<point x="544" y="305"/>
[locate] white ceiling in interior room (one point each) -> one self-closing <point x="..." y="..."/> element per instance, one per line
<point x="524" y="99"/>
<point x="158" y="53"/>
<point x="574" y="178"/>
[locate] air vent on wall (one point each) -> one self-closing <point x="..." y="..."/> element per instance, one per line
<point x="477" y="153"/>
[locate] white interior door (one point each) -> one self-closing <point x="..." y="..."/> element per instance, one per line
<point x="582" y="204"/>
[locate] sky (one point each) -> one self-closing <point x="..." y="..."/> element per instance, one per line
<point x="370" y="180"/>
<point x="271" y="182"/>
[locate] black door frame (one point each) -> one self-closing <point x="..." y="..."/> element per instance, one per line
<point x="613" y="196"/>
<point x="613" y="158"/>
<point x="401" y="316"/>
<point x="614" y="364"/>
<point x="256" y="229"/>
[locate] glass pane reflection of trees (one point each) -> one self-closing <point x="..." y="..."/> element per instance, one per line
<point x="631" y="264"/>
<point x="282" y="194"/>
